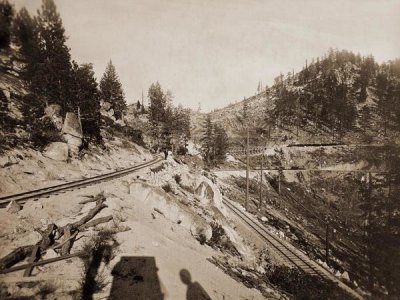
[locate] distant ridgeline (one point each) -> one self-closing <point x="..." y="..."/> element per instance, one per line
<point x="333" y="91"/>
<point x="337" y="97"/>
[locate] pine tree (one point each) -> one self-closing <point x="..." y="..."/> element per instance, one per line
<point x="53" y="77"/>
<point x="220" y="143"/>
<point x="157" y="105"/>
<point x="111" y="91"/>
<point x="87" y="99"/>
<point x="207" y="141"/>
<point x="6" y="17"/>
<point x="26" y="33"/>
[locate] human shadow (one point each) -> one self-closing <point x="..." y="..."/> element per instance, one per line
<point x="194" y="290"/>
<point x="135" y="277"/>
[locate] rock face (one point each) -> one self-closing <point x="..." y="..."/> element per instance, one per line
<point x="53" y="111"/>
<point x="72" y="132"/>
<point x="201" y="231"/>
<point x="57" y="151"/>
<point x="13" y="207"/>
<point x="209" y="194"/>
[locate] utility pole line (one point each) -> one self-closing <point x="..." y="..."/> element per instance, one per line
<point x="261" y="180"/>
<point x="247" y="170"/>
<point x="327" y="240"/>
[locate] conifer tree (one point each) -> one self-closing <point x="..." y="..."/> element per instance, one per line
<point x="112" y="92"/>
<point x="158" y="104"/>
<point x="53" y="77"/>
<point x="220" y="143"/>
<point x="87" y="99"/>
<point x="207" y="140"/>
<point x="6" y="17"/>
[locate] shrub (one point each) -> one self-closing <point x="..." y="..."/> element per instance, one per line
<point x="167" y="188"/>
<point x="219" y="240"/>
<point x="311" y="287"/>
<point x="177" y="178"/>
<point x="44" y="132"/>
<point x="158" y="168"/>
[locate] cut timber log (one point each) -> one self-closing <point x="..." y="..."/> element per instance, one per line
<point x="93" y="199"/>
<point x="67" y="240"/>
<point x="96" y="222"/>
<point x="34" y="256"/>
<point x="15" y="256"/>
<point x="40" y="263"/>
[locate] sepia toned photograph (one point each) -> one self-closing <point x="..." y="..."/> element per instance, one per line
<point x="199" y="149"/>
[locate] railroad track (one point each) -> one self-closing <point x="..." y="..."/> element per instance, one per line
<point x="56" y="189"/>
<point x="289" y="254"/>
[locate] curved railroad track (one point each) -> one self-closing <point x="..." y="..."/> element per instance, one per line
<point x="55" y="189"/>
<point x="288" y="253"/>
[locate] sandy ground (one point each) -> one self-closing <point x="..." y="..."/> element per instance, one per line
<point x="159" y="247"/>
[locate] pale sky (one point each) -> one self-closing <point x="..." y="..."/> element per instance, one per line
<point x="216" y="51"/>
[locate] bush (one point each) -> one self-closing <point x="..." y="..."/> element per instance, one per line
<point x="302" y="285"/>
<point x="219" y="240"/>
<point x="167" y="188"/>
<point x="158" y="168"/>
<point x="44" y="132"/>
<point x="177" y="178"/>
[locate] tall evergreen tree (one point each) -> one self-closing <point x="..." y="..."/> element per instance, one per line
<point x="158" y="104"/>
<point x="207" y="141"/>
<point x="6" y="17"/>
<point x="112" y="92"/>
<point x="53" y="77"/>
<point x="220" y="143"/>
<point x="87" y="99"/>
<point x="26" y="33"/>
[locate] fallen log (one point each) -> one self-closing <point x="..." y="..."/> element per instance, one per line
<point x="40" y="263"/>
<point x="67" y="242"/>
<point x="93" y="199"/>
<point x="48" y="236"/>
<point x="91" y="214"/>
<point x="34" y="256"/>
<point x="15" y="256"/>
<point x="96" y="222"/>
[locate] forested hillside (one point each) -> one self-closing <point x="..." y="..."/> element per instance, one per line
<point x="340" y="97"/>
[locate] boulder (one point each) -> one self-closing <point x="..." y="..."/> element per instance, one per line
<point x="72" y="132"/>
<point x="201" y="231"/>
<point x="57" y="151"/>
<point x="209" y="194"/>
<point x="13" y="207"/>
<point x="74" y="144"/>
<point x="53" y="111"/>
<point x="72" y="125"/>
<point x="106" y="106"/>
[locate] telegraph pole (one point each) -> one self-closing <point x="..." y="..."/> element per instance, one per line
<point x="261" y="180"/>
<point x="327" y="240"/>
<point x="247" y="171"/>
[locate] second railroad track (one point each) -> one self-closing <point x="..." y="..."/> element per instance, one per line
<point x="55" y="189"/>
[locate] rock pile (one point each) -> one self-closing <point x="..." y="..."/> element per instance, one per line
<point x="72" y="132"/>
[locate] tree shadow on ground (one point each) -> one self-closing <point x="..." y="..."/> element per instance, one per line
<point x="135" y="277"/>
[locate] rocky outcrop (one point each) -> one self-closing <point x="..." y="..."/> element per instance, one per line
<point x="72" y="132"/>
<point x="201" y="231"/>
<point x="209" y="194"/>
<point x="53" y="111"/>
<point x="13" y="207"/>
<point x="57" y="151"/>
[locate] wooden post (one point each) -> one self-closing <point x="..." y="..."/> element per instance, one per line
<point x="247" y="171"/>
<point x="261" y="180"/>
<point x="279" y="181"/>
<point x="327" y="241"/>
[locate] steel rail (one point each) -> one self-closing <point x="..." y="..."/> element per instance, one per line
<point x="282" y="250"/>
<point x="46" y="191"/>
